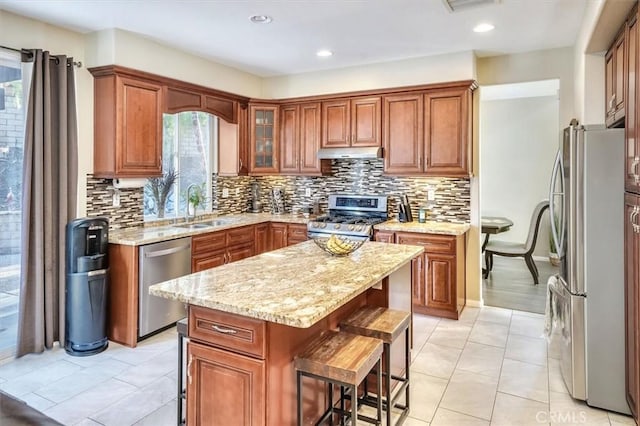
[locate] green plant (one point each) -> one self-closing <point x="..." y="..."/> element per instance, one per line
<point x="196" y="196"/>
<point x="160" y="188"/>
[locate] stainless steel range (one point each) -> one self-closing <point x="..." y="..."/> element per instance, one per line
<point x="350" y="215"/>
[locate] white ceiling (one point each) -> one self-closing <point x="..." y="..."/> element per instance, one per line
<point x="357" y="31"/>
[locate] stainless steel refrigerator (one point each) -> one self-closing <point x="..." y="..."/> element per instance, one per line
<point x="587" y="201"/>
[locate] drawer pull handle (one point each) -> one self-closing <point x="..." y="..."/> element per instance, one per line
<point x="189" y="369"/>
<point x="224" y="330"/>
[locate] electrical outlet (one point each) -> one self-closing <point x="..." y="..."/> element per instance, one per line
<point x="116" y="199"/>
<point x="431" y="194"/>
<point x="225" y="192"/>
<point x="237" y="191"/>
<point x="307" y="192"/>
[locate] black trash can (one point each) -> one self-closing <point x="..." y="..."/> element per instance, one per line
<point x="87" y="271"/>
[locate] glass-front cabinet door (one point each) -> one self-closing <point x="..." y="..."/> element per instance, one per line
<point x="263" y="122"/>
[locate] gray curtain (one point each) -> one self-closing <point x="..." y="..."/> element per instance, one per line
<point x="50" y="176"/>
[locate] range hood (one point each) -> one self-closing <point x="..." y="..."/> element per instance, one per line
<point x="360" y="152"/>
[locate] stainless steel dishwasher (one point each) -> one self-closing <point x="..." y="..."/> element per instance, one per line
<point x="161" y="262"/>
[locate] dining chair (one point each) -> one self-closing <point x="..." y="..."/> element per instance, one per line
<point x="507" y="249"/>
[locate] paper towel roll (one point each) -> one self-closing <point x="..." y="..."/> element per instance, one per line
<point x="124" y="183"/>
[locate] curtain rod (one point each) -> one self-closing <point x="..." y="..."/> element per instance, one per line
<point x="28" y="52"/>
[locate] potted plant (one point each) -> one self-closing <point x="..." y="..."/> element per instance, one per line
<point x="160" y="188"/>
<point x="195" y="198"/>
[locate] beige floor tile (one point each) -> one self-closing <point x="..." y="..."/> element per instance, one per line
<point x="37" y="402"/>
<point x="163" y="416"/>
<point x="87" y="422"/>
<point x="554" y="347"/>
<point x="556" y="382"/>
<point x="565" y="410"/>
<point x="471" y="394"/>
<point x="527" y="326"/>
<point x="410" y="421"/>
<point x="526" y="349"/>
<point x="481" y="359"/>
<point x="39" y="378"/>
<point x="511" y="410"/>
<point x="495" y="315"/>
<point x="426" y="393"/>
<point x="528" y="314"/>
<point x="436" y="360"/>
<point x="137" y="405"/>
<point x="489" y="333"/>
<point x="446" y="417"/>
<point x="151" y="370"/>
<point x="620" y="420"/>
<point x="525" y="380"/>
<point x="451" y="335"/>
<point x="85" y="404"/>
<point x="469" y="314"/>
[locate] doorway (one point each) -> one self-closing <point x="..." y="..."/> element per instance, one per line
<point x="519" y="136"/>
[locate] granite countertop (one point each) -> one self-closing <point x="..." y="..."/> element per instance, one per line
<point x="296" y="286"/>
<point x="147" y="235"/>
<point x="428" y="227"/>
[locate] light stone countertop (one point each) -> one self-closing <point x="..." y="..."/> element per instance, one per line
<point x="428" y="227"/>
<point x="147" y="235"/>
<point x="296" y="285"/>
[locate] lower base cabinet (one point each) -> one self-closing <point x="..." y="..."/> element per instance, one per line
<point x="224" y="388"/>
<point x="287" y="234"/>
<point x="632" y="300"/>
<point x="438" y="276"/>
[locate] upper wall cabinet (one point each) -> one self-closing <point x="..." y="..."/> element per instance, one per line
<point x="300" y="140"/>
<point x="263" y="139"/>
<point x="127" y="126"/>
<point x="632" y="131"/>
<point x="178" y="99"/>
<point x="233" y="146"/>
<point x="351" y="122"/>
<point x="616" y="73"/>
<point x="428" y="133"/>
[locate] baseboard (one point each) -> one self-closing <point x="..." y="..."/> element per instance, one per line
<point x="541" y="258"/>
<point x="475" y="303"/>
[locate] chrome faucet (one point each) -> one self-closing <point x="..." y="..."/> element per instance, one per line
<point x="186" y="213"/>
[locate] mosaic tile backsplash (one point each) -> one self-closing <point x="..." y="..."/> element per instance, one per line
<point x="451" y="203"/>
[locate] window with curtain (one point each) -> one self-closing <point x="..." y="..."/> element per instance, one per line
<point x="189" y="152"/>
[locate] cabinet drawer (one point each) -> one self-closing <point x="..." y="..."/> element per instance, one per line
<point x="240" y="235"/>
<point x="207" y="242"/>
<point x="431" y="243"/>
<point x="239" y="334"/>
<point x="240" y="252"/>
<point x="296" y="234"/>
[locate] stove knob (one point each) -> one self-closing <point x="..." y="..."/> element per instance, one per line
<point x="351" y="227"/>
<point x="359" y="228"/>
<point x="336" y="226"/>
<point x="322" y="225"/>
<point x="314" y="224"/>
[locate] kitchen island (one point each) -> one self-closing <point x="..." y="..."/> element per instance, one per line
<point x="248" y="319"/>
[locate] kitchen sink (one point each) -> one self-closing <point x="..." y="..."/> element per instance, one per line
<point x="193" y="225"/>
<point x="205" y="224"/>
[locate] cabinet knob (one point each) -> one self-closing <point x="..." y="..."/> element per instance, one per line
<point x="633" y="217"/>
<point x="634" y="169"/>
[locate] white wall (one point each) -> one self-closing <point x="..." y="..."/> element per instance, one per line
<point x="124" y="48"/>
<point x="432" y="69"/>
<point x="518" y="143"/>
<point x="19" y="32"/>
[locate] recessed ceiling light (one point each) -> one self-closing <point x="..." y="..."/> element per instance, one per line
<point x="324" y="53"/>
<point x="260" y="19"/>
<point x="483" y="28"/>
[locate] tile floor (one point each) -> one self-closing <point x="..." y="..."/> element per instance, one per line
<point x="490" y="367"/>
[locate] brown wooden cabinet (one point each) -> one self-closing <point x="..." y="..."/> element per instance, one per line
<point x="179" y="99"/>
<point x="438" y="275"/>
<point x="428" y="133"/>
<point x="632" y="132"/>
<point x="351" y="122"/>
<point x="403" y="138"/>
<point x="286" y="234"/>
<point x="447" y="129"/>
<point x="632" y="301"/>
<point x="233" y="149"/>
<point x="221" y="247"/>
<point x="300" y="140"/>
<point x="616" y="74"/>
<point x="261" y="238"/>
<point x="263" y="139"/>
<point x="127" y="125"/>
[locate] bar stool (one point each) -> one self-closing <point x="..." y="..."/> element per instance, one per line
<point x="386" y="325"/>
<point x="342" y="359"/>
<point x="182" y="327"/>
